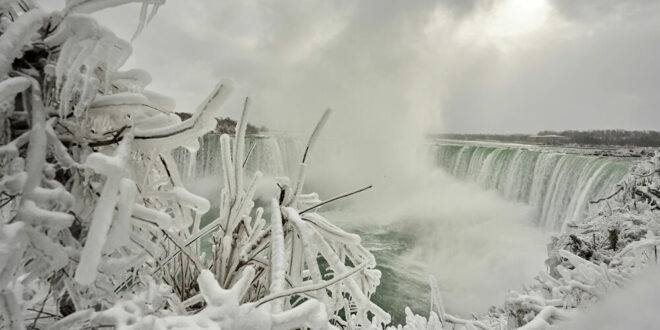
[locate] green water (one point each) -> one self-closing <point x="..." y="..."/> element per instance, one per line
<point x="401" y="284"/>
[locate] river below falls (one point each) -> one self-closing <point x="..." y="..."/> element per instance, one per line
<point x="476" y="244"/>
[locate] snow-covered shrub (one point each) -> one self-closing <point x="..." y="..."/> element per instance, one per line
<point x="97" y="229"/>
<point x="596" y="255"/>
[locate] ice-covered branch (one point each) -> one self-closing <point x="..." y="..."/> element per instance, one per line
<point x="114" y="169"/>
<point x="311" y="287"/>
<point x="17" y="35"/>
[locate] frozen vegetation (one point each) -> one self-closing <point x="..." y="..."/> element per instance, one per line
<point x="98" y="230"/>
<point x="97" y="227"/>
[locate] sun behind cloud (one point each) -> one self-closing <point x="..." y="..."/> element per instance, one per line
<point x="506" y="23"/>
<point x="518" y="17"/>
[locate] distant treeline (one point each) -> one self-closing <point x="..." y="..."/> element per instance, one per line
<point x="609" y="137"/>
<point x="510" y="138"/>
<point x="228" y="125"/>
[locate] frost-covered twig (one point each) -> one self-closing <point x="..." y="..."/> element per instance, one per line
<point x="608" y="197"/>
<point x="247" y="157"/>
<point x="311" y="287"/>
<point x="184" y="250"/>
<point x="290" y="196"/>
<point x="334" y="199"/>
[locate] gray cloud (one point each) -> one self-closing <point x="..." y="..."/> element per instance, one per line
<point x="598" y="10"/>
<point x="600" y="74"/>
<point x="410" y="65"/>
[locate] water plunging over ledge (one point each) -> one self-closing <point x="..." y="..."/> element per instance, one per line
<point x="557" y="184"/>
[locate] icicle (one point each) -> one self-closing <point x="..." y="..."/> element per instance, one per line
<point x="90" y="47"/>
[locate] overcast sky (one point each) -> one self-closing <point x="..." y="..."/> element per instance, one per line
<point x="455" y="65"/>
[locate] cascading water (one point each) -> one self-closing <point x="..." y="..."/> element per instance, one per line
<point x="273" y="155"/>
<point x="558" y="185"/>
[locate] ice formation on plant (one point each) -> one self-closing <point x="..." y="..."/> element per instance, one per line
<point x="97" y="229"/>
<point x="101" y="229"/>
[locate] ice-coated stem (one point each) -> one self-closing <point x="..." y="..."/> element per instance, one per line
<point x="113" y="168"/>
<point x="300" y="181"/>
<point x="36" y="152"/>
<point x="352" y="287"/>
<point x="311" y="287"/>
<point x="239" y="144"/>
<point x="184" y="249"/>
<point x="316" y="133"/>
<point x="11" y="310"/>
<point x="334" y="199"/>
<point x="227" y="166"/>
<point x="277" y="260"/>
<point x="306" y="235"/>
